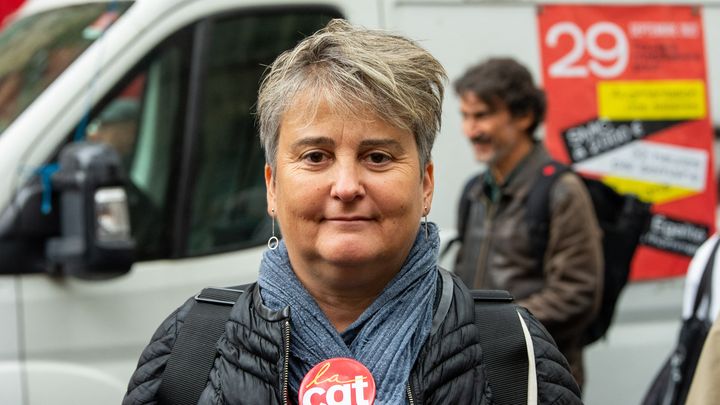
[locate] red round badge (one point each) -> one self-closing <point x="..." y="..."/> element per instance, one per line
<point x="337" y="381"/>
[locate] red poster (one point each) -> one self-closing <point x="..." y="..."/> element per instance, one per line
<point x="628" y="103"/>
<point x="8" y="7"/>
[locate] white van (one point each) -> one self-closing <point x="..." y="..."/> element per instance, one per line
<point x="172" y="84"/>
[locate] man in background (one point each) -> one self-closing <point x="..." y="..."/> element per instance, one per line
<point x="501" y="108"/>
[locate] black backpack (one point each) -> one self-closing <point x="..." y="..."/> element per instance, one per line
<point x="501" y="336"/>
<point x="622" y="218"/>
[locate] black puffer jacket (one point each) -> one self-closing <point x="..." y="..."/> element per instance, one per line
<point x="252" y="357"/>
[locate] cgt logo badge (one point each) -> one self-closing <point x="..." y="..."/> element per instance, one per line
<point x="338" y="381"/>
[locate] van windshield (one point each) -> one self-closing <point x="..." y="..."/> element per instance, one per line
<point x="36" y="49"/>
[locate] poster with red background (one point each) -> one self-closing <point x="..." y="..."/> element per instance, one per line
<point x="8" y="7"/>
<point x="628" y="104"/>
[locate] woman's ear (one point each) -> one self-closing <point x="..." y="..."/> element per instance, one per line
<point x="428" y="186"/>
<point x="270" y="189"/>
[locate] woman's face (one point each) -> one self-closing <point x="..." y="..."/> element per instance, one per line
<point x="348" y="195"/>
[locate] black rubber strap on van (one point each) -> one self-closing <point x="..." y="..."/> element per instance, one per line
<point x="503" y="343"/>
<point x="187" y="370"/>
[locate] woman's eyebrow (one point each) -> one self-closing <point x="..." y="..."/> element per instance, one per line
<point x="391" y="144"/>
<point x="329" y="142"/>
<point x="313" y="141"/>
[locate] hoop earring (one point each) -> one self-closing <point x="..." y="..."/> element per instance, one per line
<point x="273" y="242"/>
<point x="427" y="232"/>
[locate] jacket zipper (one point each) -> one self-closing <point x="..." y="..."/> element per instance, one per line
<point x="286" y="368"/>
<point x="485" y="247"/>
<point x="411" y="401"/>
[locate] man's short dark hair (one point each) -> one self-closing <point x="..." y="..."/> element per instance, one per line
<point x="498" y="81"/>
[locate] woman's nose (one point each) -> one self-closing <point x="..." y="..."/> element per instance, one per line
<point x="348" y="184"/>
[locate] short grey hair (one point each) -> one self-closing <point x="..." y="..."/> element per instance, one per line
<point x="356" y="71"/>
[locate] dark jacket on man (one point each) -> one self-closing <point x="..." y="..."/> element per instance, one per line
<point x="251" y="367"/>
<point x="563" y="288"/>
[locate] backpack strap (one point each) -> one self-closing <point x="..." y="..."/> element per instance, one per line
<point x="193" y="355"/>
<point x="538" y="208"/>
<point x="704" y="290"/>
<point x="464" y="207"/>
<point x="463" y="213"/>
<point x="503" y="341"/>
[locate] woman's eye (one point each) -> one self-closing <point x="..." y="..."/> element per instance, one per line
<point x="378" y="158"/>
<point x="314" y="157"/>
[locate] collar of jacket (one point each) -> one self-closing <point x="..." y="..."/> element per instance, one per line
<point x="521" y="181"/>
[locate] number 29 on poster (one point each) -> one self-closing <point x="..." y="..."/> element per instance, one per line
<point x="603" y="62"/>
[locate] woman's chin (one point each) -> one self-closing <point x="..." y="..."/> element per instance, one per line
<point x="352" y="252"/>
<point x="351" y="259"/>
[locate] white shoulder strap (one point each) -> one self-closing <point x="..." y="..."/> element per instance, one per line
<point x="532" y="398"/>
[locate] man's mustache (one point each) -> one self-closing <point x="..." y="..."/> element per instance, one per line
<point x="480" y="139"/>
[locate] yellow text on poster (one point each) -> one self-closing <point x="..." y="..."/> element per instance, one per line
<point x="651" y="100"/>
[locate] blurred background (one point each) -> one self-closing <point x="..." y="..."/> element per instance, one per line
<point x="131" y="173"/>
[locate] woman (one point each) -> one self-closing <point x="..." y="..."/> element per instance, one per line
<point x="347" y="120"/>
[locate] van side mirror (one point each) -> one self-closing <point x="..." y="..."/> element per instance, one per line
<point x="24" y="230"/>
<point x="95" y="240"/>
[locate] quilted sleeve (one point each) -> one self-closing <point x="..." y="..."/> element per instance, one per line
<point x="556" y="384"/>
<point x="146" y="379"/>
